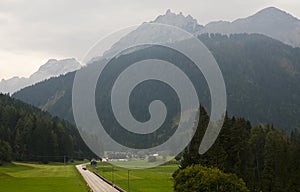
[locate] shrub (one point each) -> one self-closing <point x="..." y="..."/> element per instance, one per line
<point x="199" y="178"/>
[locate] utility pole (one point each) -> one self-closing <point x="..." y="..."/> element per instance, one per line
<point x="128" y="181"/>
<point x="112" y="174"/>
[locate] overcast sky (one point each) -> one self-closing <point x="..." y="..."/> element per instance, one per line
<point x="33" y="31"/>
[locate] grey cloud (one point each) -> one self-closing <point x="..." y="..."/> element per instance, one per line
<point x="68" y="28"/>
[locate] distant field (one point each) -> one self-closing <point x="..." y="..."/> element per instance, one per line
<point x="144" y="180"/>
<point x="23" y="177"/>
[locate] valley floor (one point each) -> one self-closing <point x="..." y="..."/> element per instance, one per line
<point x="140" y="180"/>
<point x="26" y="177"/>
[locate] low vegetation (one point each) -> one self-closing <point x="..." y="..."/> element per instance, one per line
<point x="199" y="178"/>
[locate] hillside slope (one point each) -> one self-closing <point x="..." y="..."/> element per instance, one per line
<point x="29" y="134"/>
<point x="262" y="77"/>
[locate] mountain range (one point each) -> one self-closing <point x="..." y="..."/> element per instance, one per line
<point x="261" y="71"/>
<point x="270" y="21"/>
<point x="262" y="78"/>
<point x="52" y="68"/>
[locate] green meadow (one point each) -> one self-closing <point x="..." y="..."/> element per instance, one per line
<point x="40" y="178"/>
<point x="145" y="180"/>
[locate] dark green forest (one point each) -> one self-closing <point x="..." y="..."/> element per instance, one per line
<point x="266" y="158"/>
<point x="262" y="78"/>
<point x="29" y="134"/>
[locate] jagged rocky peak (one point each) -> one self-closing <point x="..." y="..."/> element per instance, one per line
<point x="156" y="34"/>
<point x="187" y="23"/>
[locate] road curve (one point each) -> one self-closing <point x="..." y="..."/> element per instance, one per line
<point x="94" y="182"/>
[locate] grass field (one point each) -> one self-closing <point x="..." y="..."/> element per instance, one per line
<point x="24" y="177"/>
<point x="145" y="180"/>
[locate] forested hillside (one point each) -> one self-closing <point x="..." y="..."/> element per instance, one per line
<point x="28" y="134"/>
<point x="262" y="78"/>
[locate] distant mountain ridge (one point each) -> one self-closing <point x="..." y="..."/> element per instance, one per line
<point x="270" y="21"/>
<point x="52" y="68"/>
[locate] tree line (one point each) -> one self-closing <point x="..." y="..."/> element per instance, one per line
<point x="266" y="158"/>
<point x="29" y="134"/>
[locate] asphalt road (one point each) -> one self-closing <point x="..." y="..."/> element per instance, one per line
<point x="94" y="182"/>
